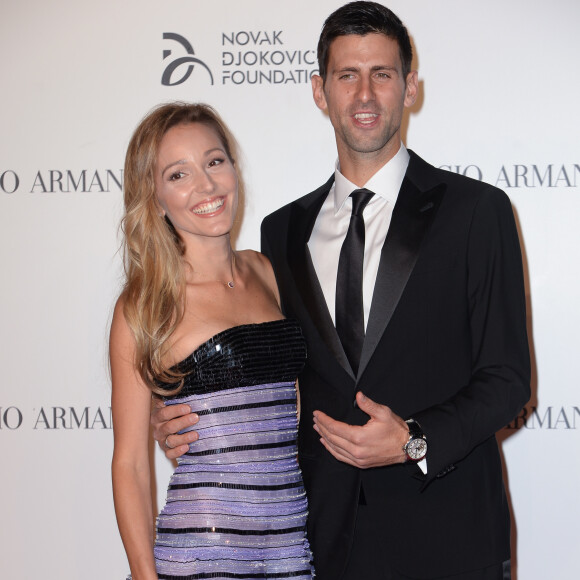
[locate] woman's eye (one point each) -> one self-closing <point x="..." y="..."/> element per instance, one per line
<point x="176" y="175"/>
<point x="216" y="161"/>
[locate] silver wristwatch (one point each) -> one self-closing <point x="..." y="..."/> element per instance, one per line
<point x="416" y="447"/>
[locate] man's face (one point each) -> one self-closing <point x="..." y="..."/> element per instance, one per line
<point x="365" y="94"/>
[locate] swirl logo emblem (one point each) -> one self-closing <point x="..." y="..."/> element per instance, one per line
<point x="190" y="61"/>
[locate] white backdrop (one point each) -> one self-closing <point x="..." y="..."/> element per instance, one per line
<point x="500" y="94"/>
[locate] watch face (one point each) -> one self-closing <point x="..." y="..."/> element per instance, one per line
<point x="417" y="448"/>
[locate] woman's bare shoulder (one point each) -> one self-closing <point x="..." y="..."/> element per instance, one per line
<point x="121" y="337"/>
<point x="253" y="258"/>
<point x="260" y="266"/>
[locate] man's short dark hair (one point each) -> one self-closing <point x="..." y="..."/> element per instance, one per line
<point x="364" y="18"/>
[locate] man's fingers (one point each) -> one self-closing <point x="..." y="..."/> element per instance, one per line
<point x="336" y="453"/>
<point x="378" y="442"/>
<point x="339" y="451"/>
<point x="175" y="446"/>
<point x="172" y="427"/>
<point x="176" y="451"/>
<point x="167" y="420"/>
<point x="368" y="406"/>
<point x="333" y="427"/>
<point x="162" y="413"/>
<point x="331" y="433"/>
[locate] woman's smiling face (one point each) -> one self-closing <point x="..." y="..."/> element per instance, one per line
<point x="196" y="181"/>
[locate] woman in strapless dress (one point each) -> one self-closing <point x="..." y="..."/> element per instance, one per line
<point x="200" y="324"/>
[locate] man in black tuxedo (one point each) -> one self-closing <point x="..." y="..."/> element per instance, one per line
<point x="407" y="281"/>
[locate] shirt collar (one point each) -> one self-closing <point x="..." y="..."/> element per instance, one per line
<point x="385" y="183"/>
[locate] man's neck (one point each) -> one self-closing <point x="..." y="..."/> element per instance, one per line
<point x="360" y="167"/>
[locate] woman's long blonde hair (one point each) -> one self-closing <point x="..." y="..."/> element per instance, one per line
<point x="154" y="291"/>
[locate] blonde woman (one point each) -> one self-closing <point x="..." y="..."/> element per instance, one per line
<point x="198" y="323"/>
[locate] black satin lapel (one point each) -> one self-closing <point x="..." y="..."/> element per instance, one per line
<point x="318" y="309"/>
<point x="412" y="216"/>
<point x="300" y="262"/>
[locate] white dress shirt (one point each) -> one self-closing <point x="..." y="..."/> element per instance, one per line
<point x="332" y="224"/>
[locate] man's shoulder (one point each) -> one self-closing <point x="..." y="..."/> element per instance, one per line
<point x="302" y="203"/>
<point x="427" y="175"/>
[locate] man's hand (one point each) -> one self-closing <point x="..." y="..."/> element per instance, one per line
<point x="166" y="421"/>
<point x="379" y="442"/>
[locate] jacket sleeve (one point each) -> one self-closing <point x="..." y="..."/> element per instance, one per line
<point x="500" y="369"/>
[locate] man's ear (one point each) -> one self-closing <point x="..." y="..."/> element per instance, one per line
<point x="318" y="92"/>
<point x="411" y="88"/>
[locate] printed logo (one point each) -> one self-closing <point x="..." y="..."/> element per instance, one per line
<point x="262" y="57"/>
<point x="550" y="417"/>
<point x="57" y="418"/>
<point x="9" y="181"/>
<point x="522" y="176"/>
<point x="10" y="418"/>
<point x="65" y="181"/>
<point x="248" y="57"/>
<point x="188" y="62"/>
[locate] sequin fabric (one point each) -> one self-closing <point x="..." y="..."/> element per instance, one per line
<point x="236" y="506"/>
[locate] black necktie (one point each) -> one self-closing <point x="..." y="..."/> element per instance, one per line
<point x="349" y="281"/>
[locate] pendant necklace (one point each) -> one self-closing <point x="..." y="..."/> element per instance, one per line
<point x="231" y="283"/>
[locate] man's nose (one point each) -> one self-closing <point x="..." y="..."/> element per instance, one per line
<point x="366" y="90"/>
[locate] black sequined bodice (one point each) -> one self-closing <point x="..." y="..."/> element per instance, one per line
<point x="244" y="355"/>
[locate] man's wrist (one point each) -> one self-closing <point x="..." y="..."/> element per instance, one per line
<point x="415" y="448"/>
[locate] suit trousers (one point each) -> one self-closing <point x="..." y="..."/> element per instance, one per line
<point x="368" y="559"/>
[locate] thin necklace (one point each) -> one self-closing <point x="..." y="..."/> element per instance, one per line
<point x="229" y="284"/>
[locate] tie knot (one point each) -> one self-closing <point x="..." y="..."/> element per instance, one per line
<point x="360" y="198"/>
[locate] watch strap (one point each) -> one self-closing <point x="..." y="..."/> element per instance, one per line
<point x="414" y="428"/>
<point x="415" y="432"/>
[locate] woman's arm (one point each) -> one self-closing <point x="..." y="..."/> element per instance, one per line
<point x="131" y="406"/>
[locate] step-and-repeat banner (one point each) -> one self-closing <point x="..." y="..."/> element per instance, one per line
<point x="499" y="102"/>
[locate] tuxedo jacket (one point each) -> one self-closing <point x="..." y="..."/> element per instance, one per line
<point x="445" y="344"/>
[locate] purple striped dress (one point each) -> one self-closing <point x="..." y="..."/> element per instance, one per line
<point x="236" y="506"/>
